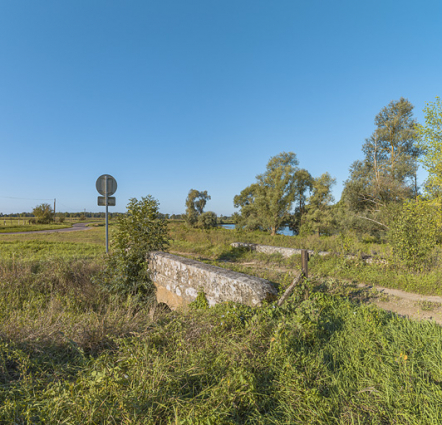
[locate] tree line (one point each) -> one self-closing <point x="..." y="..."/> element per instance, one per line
<point x="374" y="195"/>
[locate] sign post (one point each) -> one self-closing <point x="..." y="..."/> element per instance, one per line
<point x="106" y="186"/>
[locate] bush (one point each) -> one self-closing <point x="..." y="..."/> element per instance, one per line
<point x="207" y="220"/>
<point x="413" y="234"/>
<point x="43" y="213"/>
<point x="138" y="232"/>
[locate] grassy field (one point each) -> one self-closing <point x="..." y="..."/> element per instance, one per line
<point x="70" y="353"/>
<point x="11" y="228"/>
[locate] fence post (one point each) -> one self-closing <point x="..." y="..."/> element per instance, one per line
<point x="304" y="262"/>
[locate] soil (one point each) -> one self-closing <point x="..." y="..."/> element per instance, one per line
<point x="414" y="306"/>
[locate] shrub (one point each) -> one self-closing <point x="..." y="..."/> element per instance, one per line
<point x="413" y="234"/>
<point x="207" y="220"/>
<point x="138" y="232"/>
<point x="43" y="213"/>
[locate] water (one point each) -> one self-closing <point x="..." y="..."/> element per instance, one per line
<point x="282" y="231"/>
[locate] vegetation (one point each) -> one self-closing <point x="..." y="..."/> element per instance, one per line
<point x="413" y="235"/>
<point x="267" y="203"/>
<point x="387" y="175"/>
<point x="71" y="353"/>
<point x="195" y="215"/>
<point x="43" y="213"/>
<point x="32" y="227"/>
<point x="319" y="218"/>
<point x="431" y="143"/>
<point x="137" y="233"/>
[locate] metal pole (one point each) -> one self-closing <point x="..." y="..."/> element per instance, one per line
<point x="105" y="200"/>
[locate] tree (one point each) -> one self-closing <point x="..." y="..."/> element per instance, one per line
<point x="268" y="202"/>
<point x="430" y="141"/>
<point x="248" y="218"/>
<point x="388" y="172"/>
<point x="304" y="184"/>
<point x="195" y="203"/>
<point x="207" y="220"/>
<point x="138" y="232"/>
<point x="43" y="213"/>
<point x="319" y="216"/>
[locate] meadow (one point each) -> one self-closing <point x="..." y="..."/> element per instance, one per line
<point x="71" y="353"/>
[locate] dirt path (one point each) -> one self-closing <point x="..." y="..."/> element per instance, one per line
<point x="75" y="228"/>
<point x="414" y="306"/>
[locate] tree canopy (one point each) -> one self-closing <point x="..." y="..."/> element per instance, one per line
<point x="267" y="203"/>
<point x="430" y="141"/>
<point x="43" y="213"/>
<point x="387" y="174"/>
<point x="195" y="215"/>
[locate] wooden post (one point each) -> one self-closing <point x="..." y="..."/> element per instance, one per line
<point x="304" y="262"/>
<point x="298" y="279"/>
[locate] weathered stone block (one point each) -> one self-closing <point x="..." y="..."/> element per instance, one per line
<point x="178" y="281"/>
<point x="267" y="249"/>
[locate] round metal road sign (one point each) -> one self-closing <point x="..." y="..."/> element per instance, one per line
<point x="101" y="185"/>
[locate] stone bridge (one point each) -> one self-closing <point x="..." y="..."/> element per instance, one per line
<point x="178" y="281"/>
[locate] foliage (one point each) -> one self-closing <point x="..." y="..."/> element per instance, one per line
<point x="43" y="213"/>
<point x="304" y="184"/>
<point x="207" y="220"/>
<point x="268" y="202"/>
<point x="319" y="215"/>
<point x="71" y="358"/>
<point x="195" y="203"/>
<point x="413" y="234"/>
<point x="138" y="232"/>
<point x="430" y="141"/>
<point x="388" y="172"/>
<point x="200" y="302"/>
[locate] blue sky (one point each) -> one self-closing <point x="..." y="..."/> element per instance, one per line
<point x="167" y="95"/>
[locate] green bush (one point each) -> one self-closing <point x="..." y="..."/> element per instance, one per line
<point x="207" y="220"/>
<point x="413" y="235"/>
<point x="138" y="232"/>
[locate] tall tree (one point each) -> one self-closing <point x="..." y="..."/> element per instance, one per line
<point x="195" y="203"/>
<point x="249" y="218"/>
<point x="388" y="172"/>
<point x="319" y="216"/>
<point x="268" y="202"/>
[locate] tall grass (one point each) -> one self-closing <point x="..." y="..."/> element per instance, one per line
<point x="71" y="354"/>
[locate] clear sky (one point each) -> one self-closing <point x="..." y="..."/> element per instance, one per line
<point x="173" y="95"/>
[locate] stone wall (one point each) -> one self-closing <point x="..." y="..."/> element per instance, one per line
<point x="267" y="249"/>
<point x="178" y="281"/>
<point x="288" y="252"/>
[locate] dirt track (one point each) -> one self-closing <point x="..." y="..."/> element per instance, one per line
<point x="75" y="228"/>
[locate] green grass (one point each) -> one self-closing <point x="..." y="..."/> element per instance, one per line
<point x="32" y="227"/>
<point x="43" y="250"/>
<point x="71" y="354"/>
<point x="94" y="235"/>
